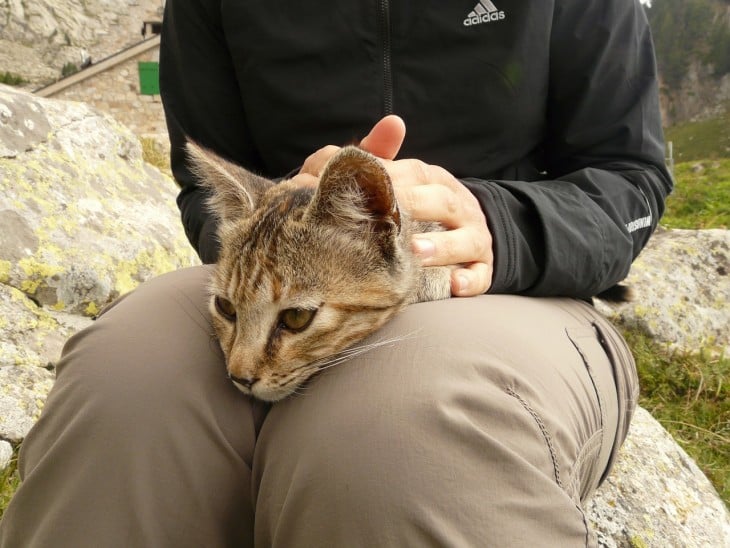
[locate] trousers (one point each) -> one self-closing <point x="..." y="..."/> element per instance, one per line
<point x="485" y="421"/>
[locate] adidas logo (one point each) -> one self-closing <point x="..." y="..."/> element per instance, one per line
<point x="484" y="12"/>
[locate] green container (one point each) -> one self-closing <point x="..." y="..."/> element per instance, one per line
<point x="149" y="78"/>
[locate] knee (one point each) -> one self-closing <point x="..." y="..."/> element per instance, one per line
<point x="150" y="345"/>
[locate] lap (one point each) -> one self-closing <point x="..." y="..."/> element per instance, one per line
<point x="466" y="396"/>
<point x="493" y="388"/>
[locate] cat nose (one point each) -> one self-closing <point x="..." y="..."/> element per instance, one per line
<point x="245" y="382"/>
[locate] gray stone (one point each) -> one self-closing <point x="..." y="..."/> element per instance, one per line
<point x="656" y="496"/>
<point x="30" y="335"/>
<point x="22" y="124"/>
<point x="86" y="218"/>
<point x="23" y="391"/>
<point x="17" y="238"/>
<point x="681" y="283"/>
<point x="31" y="339"/>
<point x="40" y="36"/>
<point x="82" y="220"/>
<point x="6" y="453"/>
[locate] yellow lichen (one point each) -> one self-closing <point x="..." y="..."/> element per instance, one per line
<point x="29" y="286"/>
<point x="638" y="542"/>
<point x="147" y="263"/>
<point x="5" y="267"/>
<point x="91" y="309"/>
<point x="37" y="272"/>
<point x="31" y="266"/>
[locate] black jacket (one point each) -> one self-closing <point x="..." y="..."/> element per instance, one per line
<point x="547" y="111"/>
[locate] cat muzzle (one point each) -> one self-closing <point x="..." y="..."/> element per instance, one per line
<point x="244" y="382"/>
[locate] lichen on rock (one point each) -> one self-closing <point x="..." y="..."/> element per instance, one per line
<point x="86" y="218"/>
<point x="682" y="286"/>
<point x="82" y="220"/>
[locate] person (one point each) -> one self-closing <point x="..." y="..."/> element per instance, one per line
<point x="532" y="132"/>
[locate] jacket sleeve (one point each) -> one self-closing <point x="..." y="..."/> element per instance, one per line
<point x="202" y="102"/>
<point x="577" y="232"/>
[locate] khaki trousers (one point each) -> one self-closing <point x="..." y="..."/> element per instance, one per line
<point x="486" y="422"/>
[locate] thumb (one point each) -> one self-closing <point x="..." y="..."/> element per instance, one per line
<point x="386" y="137"/>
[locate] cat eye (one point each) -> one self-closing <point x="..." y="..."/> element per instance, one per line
<point x="225" y="308"/>
<point x="296" y="319"/>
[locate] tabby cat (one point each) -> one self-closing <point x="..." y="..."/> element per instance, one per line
<point x="304" y="274"/>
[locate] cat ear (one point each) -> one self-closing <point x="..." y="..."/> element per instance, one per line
<point x="234" y="191"/>
<point x="354" y="189"/>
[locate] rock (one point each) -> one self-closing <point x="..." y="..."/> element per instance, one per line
<point x="22" y="395"/>
<point x="682" y="286"/>
<point x="656" y="496"/>
<point x="39" y="37"/>
<point x="6" y="453"/>
<point x="32" y="338"/>
<point x="83" y="220"/>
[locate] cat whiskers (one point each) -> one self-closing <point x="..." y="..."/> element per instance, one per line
<point x="327" y="362"/>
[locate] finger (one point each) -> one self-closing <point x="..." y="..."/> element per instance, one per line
<point x="304" y="180"/>
<point x="470" y="244"/>
<point x="433" y="203"/>
<point x="315" y="162"/>
<point x="472" y="280"/>
<point x="386" y="137"/>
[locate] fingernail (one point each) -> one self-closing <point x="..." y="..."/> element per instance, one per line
<point x="423" y="248"/>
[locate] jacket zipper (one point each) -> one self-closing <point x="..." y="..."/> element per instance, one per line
<point x="384" y="31"/>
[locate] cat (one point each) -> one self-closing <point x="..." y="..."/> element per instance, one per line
<point x="304" y="274"/>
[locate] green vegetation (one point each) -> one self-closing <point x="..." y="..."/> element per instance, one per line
<point x="154" y="154"/>
<point x="689" y="394"/>
<point x="701" y="140"/>
<point x="11" y="79"/>
<point x="68" y="69"/>
<point x="9" y="481"/>
<point x="701" y="198"/>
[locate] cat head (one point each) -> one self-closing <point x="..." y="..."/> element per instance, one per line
<point x="302" y="273"/>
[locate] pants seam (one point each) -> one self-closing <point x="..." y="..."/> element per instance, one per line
<point x="543" y="429"/>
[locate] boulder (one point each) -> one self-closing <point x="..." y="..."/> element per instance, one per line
<point x="6" y="453"/>
<point x="39" y="37"/>
<point x="681" y="282"/>
<point x="656" y="496"/>
<point x="32" y="338"/>
<point x="83" y="219"/>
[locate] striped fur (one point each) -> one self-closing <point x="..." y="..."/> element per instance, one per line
<point x="340" y="252"/>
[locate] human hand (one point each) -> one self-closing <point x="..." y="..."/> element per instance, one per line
<point x="431" y="193"/>
<point x="383" y="141"/>
<point x="428" y="193"/>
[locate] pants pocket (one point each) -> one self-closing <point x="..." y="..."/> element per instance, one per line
<point x="606" y="367"/>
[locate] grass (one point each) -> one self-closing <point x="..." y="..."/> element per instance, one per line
<point x="154" y="154"/>
<point x="708" y="139"/>
<point x="12" y="79"/>
<point x="9" y="481"/>
<point x="689" y="394"/>
<point x="701" y="198"/>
